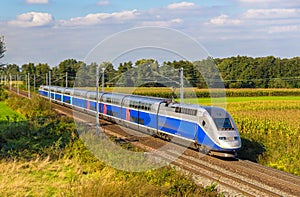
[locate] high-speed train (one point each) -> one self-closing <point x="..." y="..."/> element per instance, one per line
<point x="211" y="129"/>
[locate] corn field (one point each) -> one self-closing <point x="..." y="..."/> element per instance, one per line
<point x="271" y="130"/>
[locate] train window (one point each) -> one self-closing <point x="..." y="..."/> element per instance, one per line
<point x="115" y="101"/>
<point x="178" y="110"/>
<point x="143" y="105"/>
<point x="92" y="96"/>
<point x="203" y="123"/>
<point x="108" y="100"/>
<point x="192" y="112"/>
<point x="223" y="123"/>
<point x="134" y="104"/>
<point x="137" y="104"/>
<point x="149" y="107"/>
<point x="112" y="113"/>
<point x="112" y="98"/>
<point x="141" y="121"/>
<point x="134" y="119"/>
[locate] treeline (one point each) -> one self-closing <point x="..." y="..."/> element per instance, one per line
<point x="261" y="72"/>
<point x="233" y="72"/>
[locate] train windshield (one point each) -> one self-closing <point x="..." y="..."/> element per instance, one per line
<point x="223" y="123"/>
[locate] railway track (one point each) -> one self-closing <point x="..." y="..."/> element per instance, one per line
<point x="233" y="177"/>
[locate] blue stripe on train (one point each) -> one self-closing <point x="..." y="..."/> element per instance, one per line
<point x="111" y="110"/>
<point x="43" y="93"/>
<point x="177" y="127"/>
<point x="67" y="99"/>
<point x="186" y="129"/>
<point x="80" y="102"/>
<point x="93" y="105"/>
<point x="148" y="119"/>
<point x="58" y="97"/>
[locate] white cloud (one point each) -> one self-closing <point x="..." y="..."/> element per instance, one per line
<point x="32" y="19"/>
<point x="284" y="29"/>
<point x="224" y="20"/>
<point x="161" y="23"/>
<point x="259" y="1"/>
<point x="181" y="5"/>
<point x="103" y="3"/>
<point x="271" y="13"/>
<point x="100" y="18"/>
<point x="37" y="1"/>
<point x="270" y="3"/>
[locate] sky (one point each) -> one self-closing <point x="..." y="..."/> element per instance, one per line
<point x="50" y="31"/>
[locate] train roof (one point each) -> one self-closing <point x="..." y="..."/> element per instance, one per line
<point x="184" y="105"/>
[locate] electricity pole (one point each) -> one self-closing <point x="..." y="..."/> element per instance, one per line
<point x="97" y="103"/>
<point x="181" y="85"/>
<point x="10" y="82"/>
<point x="34" y="83"/>
<point x="49" y="86"/>
<point x="28" y="85"/>
<point x="103" y="69"/>
<point x="18" y="90"/>
<point x="66" y="79"/>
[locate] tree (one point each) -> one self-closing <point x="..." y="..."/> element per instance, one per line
<point x="2" y="49"/>
<point x="41" y="70"/>
<point x="69" y="66"/>
<point x="12" y="69"/>
<point x="124" y="67"/>
<point x="109" y="74"/>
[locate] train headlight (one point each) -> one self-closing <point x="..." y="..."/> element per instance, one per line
<point x="229" y="138"/>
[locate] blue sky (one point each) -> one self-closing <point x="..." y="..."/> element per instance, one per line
<point x="50" y="31"/>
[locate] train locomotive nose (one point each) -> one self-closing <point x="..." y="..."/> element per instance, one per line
<point x="230" y="142"/>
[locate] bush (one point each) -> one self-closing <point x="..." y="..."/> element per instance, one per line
<point x="44" y="133"/>
<point x="3" y="93"/>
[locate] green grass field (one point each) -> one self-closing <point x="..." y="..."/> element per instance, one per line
<point x="208" y="101"/>
<point x="7" y="114"/>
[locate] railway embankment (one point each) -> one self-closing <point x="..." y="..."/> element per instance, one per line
<point x="46" y="157"/>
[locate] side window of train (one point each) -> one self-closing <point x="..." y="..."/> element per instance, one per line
<point x="203" y="123"/>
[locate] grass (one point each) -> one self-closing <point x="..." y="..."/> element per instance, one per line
<point x="208" y="101"/>
<point x="45" y="157"/>
<point x="70" y="177"/>
<point x="7" y="114"/>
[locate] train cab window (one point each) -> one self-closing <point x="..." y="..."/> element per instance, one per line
<point x="223" y="123"/>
